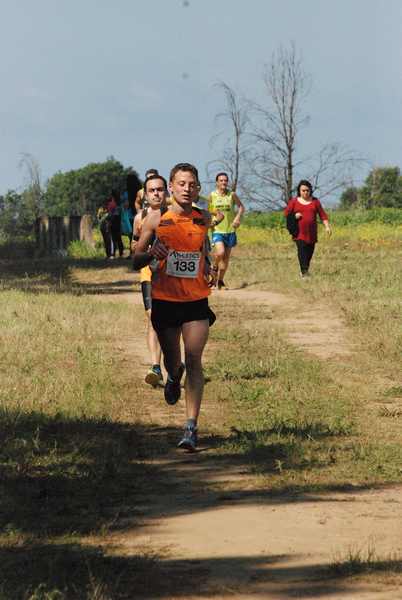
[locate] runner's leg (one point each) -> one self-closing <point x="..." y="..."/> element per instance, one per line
<point x="153" y="342"/>
<point x="219" y="254"/>
<point x="195" y="336"/>
<point x="220" y="259"/>
<point x="224" y="263"/>
<point x="154" y="376"/>
<point x="169" y="340"/>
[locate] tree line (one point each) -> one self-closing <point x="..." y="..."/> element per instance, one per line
<point x="76" y="192"/>
<point x="382" y="188"/>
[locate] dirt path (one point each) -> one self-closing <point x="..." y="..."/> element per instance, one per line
<point x="324" y="335"/>
<point x="246" y="543"/>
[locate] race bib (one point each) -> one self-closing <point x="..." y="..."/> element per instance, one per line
<point x="183" y="264"/>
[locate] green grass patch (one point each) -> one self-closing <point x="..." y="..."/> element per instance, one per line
<point x="374" y="216"/>
<point x="80" y="249"/>
<point x="291" y="418"/>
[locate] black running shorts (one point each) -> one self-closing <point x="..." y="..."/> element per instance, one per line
<point x="173" y="314"/>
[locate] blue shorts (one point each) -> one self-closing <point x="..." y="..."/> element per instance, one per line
<point x="228" y="239"/>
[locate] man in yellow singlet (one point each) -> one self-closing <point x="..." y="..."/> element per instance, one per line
<point x="155" y="188"/>
<point x="180" y="289"/>
<point x="224" y="235"/>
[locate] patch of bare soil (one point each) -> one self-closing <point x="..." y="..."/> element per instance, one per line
<point x="315" y="328"/>
<point x="247" y="543"/>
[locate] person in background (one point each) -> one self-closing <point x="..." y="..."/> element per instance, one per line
<point x="103" y="216"/>
<point x="126" y="220"/>
<point x="224" y="235"/>
<point x="155" y="188"/>
<point x="306" y="208"/>
<point x="114" y="207"/>
<point x="139" y="199"/>
<point x="201" y="201"/>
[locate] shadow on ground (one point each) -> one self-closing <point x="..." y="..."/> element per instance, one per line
<point x="66" y="480"/>
<point x="40" y="275"/>
<point x="80" y="573"/>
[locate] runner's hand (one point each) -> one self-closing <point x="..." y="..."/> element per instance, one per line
<point x="159" y="250"/>
<point x="236" y="224"/>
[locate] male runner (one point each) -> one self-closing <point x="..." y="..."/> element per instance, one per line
<point x="180" y="290"/>
<point x="139" y="199"/>
<point x="155" y="188"/>
<point x="224" y="235"/>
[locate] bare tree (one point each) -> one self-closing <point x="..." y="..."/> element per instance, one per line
<point x="262" y="151"/>
<point x="33" y="192"/>
<point x="332" y="168"/>
<point x="234" y="152"/>
<point x="278" y="124"/>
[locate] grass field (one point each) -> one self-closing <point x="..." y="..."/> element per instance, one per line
<point x="74" y="454"/>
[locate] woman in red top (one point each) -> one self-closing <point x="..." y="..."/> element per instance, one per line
<point x="305" y="208"/>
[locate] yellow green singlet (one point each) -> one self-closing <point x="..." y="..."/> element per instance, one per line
<point x="226" y="205"/>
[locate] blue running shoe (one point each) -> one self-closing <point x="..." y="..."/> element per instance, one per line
<point x="172" y="387"/>
<point x="189" y="439"/>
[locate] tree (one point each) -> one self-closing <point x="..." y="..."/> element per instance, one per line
<point x="382" y="187"/>
<point x="10" y="209"/>
<point x="349" y="198"/>
<point x="277" y="125"/>
<point x="233" y="154"/>
<point x="17" y="213"/>
<point x="83" y="190"/>
<point x="270" y="134"/>
<point x="33" y="192"/>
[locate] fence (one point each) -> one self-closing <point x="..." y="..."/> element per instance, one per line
<point x="53" y="234"/>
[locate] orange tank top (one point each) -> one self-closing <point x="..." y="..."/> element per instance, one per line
<point x="182" y="276"/>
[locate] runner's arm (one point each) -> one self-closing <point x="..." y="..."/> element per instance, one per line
<point x="142" y="255"/>
<point x="213" y="218"/>
<point x="136" y="231"/>
<point x="240" y="210"/>
<point x="217" y="215"/>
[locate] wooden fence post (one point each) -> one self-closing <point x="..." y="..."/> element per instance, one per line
<point x="54" y="234"/>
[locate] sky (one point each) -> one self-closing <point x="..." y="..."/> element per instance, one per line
<point x="83" y="80"/>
